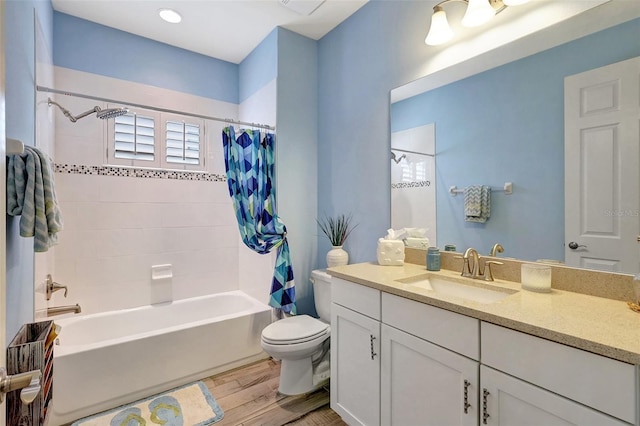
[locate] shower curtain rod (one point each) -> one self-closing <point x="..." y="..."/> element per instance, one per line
<point x="171" y="111"/>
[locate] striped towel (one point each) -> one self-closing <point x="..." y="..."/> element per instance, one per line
<point x="31" y="194"/>
<point x="477" y="203"/>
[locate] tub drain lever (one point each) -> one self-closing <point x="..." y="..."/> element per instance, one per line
<point x="29" y="382"/>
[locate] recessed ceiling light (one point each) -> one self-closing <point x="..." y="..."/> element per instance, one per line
<point x="170" y="15"/>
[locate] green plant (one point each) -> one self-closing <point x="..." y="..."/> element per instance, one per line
<point x="337" y="229"/>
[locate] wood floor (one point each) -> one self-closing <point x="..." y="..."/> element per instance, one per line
<point x="249" y="396"/>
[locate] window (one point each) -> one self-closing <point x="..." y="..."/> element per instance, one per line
<point x="145" y="138"/>
<point x="134" y="137"/>
<point x="182" y="142"/>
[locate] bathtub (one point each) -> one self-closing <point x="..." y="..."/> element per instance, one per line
<point x="112" y="358"/>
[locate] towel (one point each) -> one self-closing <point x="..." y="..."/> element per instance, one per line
<point x="477" y="203"/>
<point x="31" y="194"/>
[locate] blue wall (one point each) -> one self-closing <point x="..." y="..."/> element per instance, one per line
<point x="513" y="131"/>
<point x="297" y="160"/>
<point x="381" y="47"/>
<point x="20" y="124"/>
<point x="86" y="46"/>
<point x="259" y="67"/>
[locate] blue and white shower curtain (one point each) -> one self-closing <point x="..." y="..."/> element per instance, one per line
<point x="249" y="162"/>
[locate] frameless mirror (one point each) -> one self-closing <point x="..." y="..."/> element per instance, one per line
<point x="507" y="123"/>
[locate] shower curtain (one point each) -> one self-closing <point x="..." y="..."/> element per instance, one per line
<point x="249" y="162"/>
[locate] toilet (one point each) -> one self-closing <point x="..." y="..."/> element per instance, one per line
<point x="301" y="342"/>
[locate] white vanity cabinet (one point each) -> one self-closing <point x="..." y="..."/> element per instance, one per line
<point x="355" y="353"/>
<point x="508" y="401"/>
<point x="424" y="384"/>
<point x="395" y="361"/>
<point x="552" y="384"/>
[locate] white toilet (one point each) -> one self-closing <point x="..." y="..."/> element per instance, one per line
<point x="302" y="342"/>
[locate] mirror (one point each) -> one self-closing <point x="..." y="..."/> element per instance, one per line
<point x="506" y="124"/>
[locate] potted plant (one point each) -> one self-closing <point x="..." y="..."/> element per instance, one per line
<point x="337" y="229"/>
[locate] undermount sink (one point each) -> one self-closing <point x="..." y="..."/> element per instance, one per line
<point x="477" y="292"/>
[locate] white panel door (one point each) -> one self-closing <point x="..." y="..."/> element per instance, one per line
<point x="508" y="401"/>
<point x="355" y="366"/>
<point x="602" y="162"/>
<point x="424" y="384"/>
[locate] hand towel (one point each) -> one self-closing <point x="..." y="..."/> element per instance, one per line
<point x="31" y="194"/>
<point x="477" y="203"/>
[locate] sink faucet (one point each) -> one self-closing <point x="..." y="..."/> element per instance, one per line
<point x="497" y="248"/>
<point x="471" y="254"/>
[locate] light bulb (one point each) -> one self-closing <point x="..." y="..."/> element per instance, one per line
<point x="440" y="31"/>
<point x="478" y="12"/>
<point x="170" y="15"/>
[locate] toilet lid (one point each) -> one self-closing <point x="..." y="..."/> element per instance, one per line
<point x="297" y="328"/>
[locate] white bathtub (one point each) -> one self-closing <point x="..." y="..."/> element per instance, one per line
<point x="108" y="359"/>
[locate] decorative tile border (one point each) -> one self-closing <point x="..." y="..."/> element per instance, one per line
<point x="138" y="172"/>
<point x="414" y="184"/>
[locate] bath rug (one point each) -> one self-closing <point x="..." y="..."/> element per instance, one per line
<point x="188" y="405"/>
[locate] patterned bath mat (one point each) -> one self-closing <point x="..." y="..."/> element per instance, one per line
<point x="188" y="405"/>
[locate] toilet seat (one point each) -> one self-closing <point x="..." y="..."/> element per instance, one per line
<point x="294" y="330"/>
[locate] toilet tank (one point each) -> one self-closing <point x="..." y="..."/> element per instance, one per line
<point x="322" y="293"/>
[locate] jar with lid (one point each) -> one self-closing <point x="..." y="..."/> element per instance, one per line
<point x="433" y="259"/>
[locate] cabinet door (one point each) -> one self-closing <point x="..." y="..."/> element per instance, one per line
<point x="424" y="384"/>
<point x="510" y="401"/>
<point x="355" y="366"/>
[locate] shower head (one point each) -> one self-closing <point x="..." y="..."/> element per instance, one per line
<point x="105" y="114"/>
<point x="102" y="114"/>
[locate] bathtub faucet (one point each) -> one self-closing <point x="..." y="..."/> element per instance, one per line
<point x="58" y="310"/>
<point x="53" y="286"/>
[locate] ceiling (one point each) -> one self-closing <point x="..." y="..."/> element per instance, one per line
<point x="223" y="29"/>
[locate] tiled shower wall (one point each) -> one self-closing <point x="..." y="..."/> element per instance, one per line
<point x="116" y="227"/>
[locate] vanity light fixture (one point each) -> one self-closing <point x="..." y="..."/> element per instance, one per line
<point x="478" y="12"/>
<point x="170" y="15"/>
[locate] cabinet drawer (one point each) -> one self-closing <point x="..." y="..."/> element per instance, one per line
<point x="359" y="298"/>
<point x="453" y="331"/>
<point x="593" y="380"/>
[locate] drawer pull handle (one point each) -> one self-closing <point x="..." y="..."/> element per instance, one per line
<point x="466" y="396"/>
<point x="373" y="354"/>
<point x="485" y="414"/>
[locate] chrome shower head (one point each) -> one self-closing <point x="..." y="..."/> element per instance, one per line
<point x="105" y="114"/>
<point x="102" y="114"/>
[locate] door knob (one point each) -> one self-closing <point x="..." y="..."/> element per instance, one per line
<point x="28" y="382"/>
<point x="573" y="245"/>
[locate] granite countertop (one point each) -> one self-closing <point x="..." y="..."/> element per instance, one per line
<point x="603" y="326"/>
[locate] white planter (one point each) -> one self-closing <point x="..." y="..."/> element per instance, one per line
<point x="337" y="257"/>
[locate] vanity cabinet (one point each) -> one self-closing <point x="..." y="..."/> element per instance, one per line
<point x="424" y="384"/>
<point x="395" y="361"/>
<point x="506" y="400"/>
<point x="355" y="353"/>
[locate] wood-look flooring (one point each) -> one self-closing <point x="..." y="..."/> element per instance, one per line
<point x="249" y="396"/>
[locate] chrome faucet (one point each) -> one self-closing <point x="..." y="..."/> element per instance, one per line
<point x="58" y="310"/>
<point x="497" y="248"/>
<point x="53" y="286"/>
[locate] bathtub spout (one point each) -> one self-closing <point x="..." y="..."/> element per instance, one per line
<point x="58" y="310"/>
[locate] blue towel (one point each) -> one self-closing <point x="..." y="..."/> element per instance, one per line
<point x="477" y="203"/>
<point x="31" y="194"/>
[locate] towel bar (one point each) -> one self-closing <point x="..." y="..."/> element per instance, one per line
<point x="507" y="189"/>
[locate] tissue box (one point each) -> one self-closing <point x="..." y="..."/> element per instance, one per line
<point x="390" y="252"/>
<point x="420" y="243"/>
